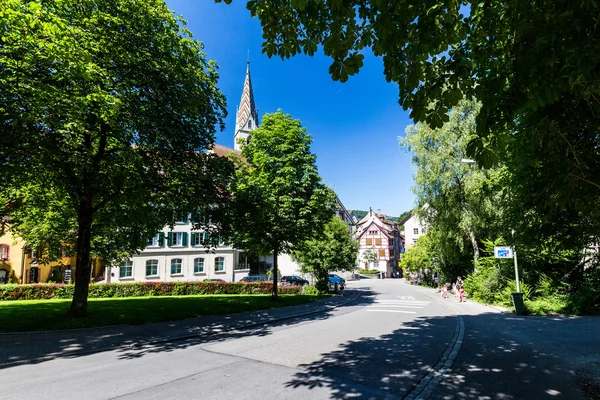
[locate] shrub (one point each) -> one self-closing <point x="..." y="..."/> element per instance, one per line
<point x="310" y="290"/>
<point x="504" y="297"/>
<point x="138" y="289"/>
<point x="56" y="276"/>
<point x="369" y="271"/>
<point x="322" y="286"/>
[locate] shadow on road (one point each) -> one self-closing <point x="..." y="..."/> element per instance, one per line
<point x="139" y="340"/>
<point x="502" y="357"/>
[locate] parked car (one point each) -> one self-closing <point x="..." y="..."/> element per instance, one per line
<point x="335" y="278"/>
<point x="293" y="280"/>
<point x="215" y="280"/>
<point x="253" y="279"/>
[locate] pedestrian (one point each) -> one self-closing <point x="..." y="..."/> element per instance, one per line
<point x="459" y="282"/>
<point x="461" y="292"/>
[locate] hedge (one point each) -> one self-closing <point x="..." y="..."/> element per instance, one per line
<point x="138" y="289"/>
<point x="369" y="271"/>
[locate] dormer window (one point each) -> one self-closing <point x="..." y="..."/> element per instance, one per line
<point x="249" y="124"/>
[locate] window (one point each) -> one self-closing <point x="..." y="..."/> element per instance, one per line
<point x="414" y="241"/>
<point x="152" y="268"/>
<point x="176" y="266"/>
<point x="3" y="275"/>
<point x="198" y="265"/>
<point x="126" y="270"/>
<point x="182" y="219"/>
<point x="381" y="252"/>
<point x="369" y="241"/>
<point x="4" y="252"/>
<point x="250" y="124"/>
<point x="196" y="239"/>
<point x="219" y="264"/>
<point x="416" y="231"/>
<point x="155" y="241"/>
<point x="177" y="239"/>
<point x="378" y="241"/>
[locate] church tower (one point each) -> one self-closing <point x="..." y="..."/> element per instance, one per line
<point x="246" y="119"/>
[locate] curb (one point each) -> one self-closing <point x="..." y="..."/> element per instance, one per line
<point x="428" y="383"/>
<point x="140" y="345"/>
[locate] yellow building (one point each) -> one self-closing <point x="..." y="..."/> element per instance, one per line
<point x="12" y="258"/>
<point x="18" y="264"/>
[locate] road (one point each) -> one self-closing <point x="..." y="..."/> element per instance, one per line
<point x="386" y="345"/>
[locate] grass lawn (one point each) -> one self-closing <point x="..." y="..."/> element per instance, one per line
<point x="44" y="315"/>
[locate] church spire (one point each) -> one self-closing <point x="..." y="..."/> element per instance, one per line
<point x="246" y="118"/>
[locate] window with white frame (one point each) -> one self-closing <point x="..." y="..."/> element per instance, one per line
<point x="199" y="265"/>
<point x="4" y="252"/>
<point x="154" y="241"/>
<point x="196" y="238"/>
<point x="126" y="270"/>
<point x="152" y="268"/>
<point x="177" y="239"/>
<point x="219" y="264"/>
<point x="176" y="266"/>
<point x="416" y="231"/>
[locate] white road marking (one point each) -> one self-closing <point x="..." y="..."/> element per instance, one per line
<point x="407" y="302"/>
<point x="394" y="311"/>
<point x="395" y="305"/>
<point x="406" y="297"/>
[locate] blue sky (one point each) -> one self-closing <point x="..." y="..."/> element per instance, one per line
<point x="354" y="125"/>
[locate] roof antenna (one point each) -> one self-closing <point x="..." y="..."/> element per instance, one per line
<point x="248" y="61"/>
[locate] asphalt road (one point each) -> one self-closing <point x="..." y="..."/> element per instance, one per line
<point x="386" y="345"/>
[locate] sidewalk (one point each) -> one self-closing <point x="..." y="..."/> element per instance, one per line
<point x="24" y="348"/>
<point x="542" y="357"/>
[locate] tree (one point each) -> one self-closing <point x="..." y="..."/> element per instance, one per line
<point x="462" y="200"/>
<point x="369" y="256"/>
<point x="513" y="56"/>
<point x="110" y="105"/>
<point x="279" y="200"/>
<point x="333" y="250"/>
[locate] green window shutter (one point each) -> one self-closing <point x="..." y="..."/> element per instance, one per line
<point x="170" y="239"/>
<point x="184" y="241"/>
<point x="148" y="242"/>
<point x="206" y="238"/>
<point x="161" y="239"/>
<point x="193" y="239"/>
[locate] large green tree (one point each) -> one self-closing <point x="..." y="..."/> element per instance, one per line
<point x="279" y="199"/>
<point x="334" y="250"/>
<point x="460" y="199"/>
<point x="110" y="104"/>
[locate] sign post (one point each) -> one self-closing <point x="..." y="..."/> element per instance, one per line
<point x="511" y="252"/>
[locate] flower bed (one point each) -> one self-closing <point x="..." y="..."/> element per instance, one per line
<point x="138" y="289"/>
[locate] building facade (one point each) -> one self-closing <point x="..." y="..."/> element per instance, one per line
<point x="413" y="229"/>
<point x="378" y="235"/>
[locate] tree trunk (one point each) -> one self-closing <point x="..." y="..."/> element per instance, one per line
<point x="274" y="293"/>
<point x="475" y="248"/>
<point x="82" y="265"/>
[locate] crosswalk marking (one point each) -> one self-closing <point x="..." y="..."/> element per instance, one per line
<point x="392" y="305"/>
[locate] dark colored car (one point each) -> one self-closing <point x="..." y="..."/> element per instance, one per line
<point x="293" y="280"/>
<point x="215" y="280"/>
<point x="253" y="279"/>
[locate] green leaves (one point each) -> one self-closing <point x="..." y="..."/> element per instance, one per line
<point x="333" y="250"/>
<point x="279" y="199"/>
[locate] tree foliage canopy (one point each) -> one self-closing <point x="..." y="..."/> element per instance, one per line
<point x="279" y="199"/>
<point x="522" y="60"/>
<point x="109" y="105"/>
<point x="334" y="250"/>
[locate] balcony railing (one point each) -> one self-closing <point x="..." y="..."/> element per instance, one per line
<point x="238" y="267"/>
